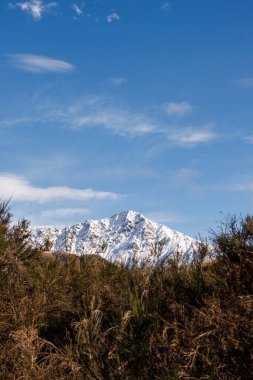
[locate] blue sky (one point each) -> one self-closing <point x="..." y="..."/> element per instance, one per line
<point x="114" y="105"/>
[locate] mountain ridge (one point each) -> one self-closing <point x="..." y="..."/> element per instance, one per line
<point x="124" y="237"/>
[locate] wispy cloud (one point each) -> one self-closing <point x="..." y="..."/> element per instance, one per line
<point x="35" y="8"/>
<point x="93" y="111"/>
<point x="178" y="109"/>
<point x="100" y="112"/>
<point x="165" y="217"/>
<point x="12" y="122"/>
<point x="192" y="136"/>
<point x="165" y="6"/>
<point x="245" y="82"/>
<point x="19" y="189"/>
<point x="39" y="64"/>
<point x="125" y="122"/>
<point x="113" y="17"/>
<point x="118" y="81"/>
<point x="117" y="121"/>
<point x="249" y="139"/>
<point x="78" y="10"/>
<point x="184" y="175"/>
<point x="87" y="112"/>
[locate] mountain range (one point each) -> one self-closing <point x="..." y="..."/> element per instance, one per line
<point x="125" y="237"/>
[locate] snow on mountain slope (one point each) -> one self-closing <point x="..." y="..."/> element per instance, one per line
<point x="124" y="237"/>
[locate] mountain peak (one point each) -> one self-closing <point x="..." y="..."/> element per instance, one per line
<point x="130" y="215"/>
<point x="121" y="237"/>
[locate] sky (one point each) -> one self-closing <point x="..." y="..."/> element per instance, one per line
<point x="113" y="105"/>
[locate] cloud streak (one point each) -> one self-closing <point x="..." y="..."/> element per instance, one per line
<point x="77" y="9"/>
<point x="19" y="189"/>
<point x="192" y="136"/>
<point x="103" y="112"/>
<point x="88" y="112"/>
<point x="39" y="64"/>
<point x="178" y="109"/>
<point x="100" y="112"/>
<point x="35" y="8"/>
<point x="118" y="81"/>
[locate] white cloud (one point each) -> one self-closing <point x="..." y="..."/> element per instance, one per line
<point x="19" y="189"/>
<point x="118" y="81"/>
<point x="246" y="82"/>
<point x="178" y="109"/>
<point x="39" y="64"/>
<point x="165" y="6"/>
<point x="104" y="112"/>
<point x="35" y="8"/>
<point x="77" y="9"/>
<point x="99" y="112"/>
<point x="113" y="17"/>
<point x="192" y="136"/>
<point x="88" y="112"/>
<point x="117" y="121"/>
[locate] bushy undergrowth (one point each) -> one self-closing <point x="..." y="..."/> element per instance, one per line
<point x="90" y="319"/>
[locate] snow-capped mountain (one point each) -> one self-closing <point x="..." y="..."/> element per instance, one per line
<point x="125" y="237"/>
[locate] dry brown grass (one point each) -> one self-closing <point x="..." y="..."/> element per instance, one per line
<point x="63" y="318"/>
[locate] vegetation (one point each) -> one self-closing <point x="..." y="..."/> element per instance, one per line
<point x="90" y="319"/>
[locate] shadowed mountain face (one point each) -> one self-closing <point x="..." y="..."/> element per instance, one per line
<point x="124" y="237"/>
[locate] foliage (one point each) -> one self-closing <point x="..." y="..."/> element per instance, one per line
<point x="64" y="317"/>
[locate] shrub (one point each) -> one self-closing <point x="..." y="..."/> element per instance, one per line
<point x="62" y="317"/>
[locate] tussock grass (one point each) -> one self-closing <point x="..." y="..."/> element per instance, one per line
<point x="90" y="319"/>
